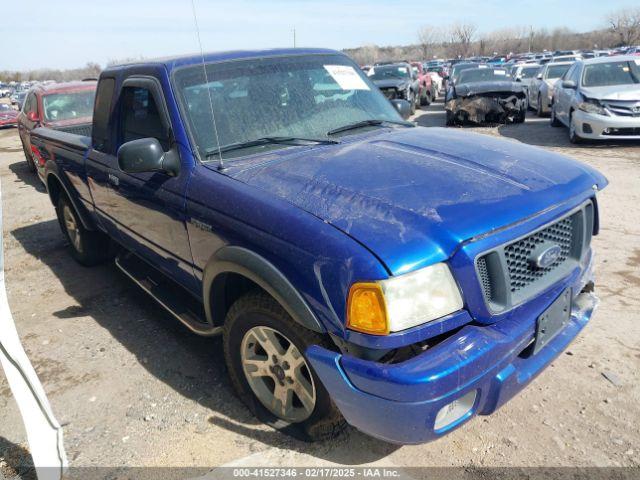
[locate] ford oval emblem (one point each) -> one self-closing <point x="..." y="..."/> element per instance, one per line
<point x="545" y="255"/>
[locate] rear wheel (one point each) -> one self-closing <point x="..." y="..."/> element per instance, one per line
<point x="87" y="247"/>
<point x="264" y="352"/>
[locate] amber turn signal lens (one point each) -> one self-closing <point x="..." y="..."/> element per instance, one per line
<point x="366" y="309"/>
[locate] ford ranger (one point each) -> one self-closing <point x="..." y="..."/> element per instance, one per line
<point x="360" y="269"/>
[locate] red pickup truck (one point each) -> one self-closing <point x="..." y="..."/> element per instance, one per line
<point x="67" y="107"/>
<point x="428" y="91"/>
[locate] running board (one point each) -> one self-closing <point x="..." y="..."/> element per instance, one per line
<point x="167" y="293"/>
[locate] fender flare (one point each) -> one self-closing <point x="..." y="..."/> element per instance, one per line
<point x="79" y="208"/>
<point x="238" y="260"/>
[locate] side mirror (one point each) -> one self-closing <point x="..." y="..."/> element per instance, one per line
<point x="569" y="84"/>
<point x="146" y="155"/>
<point x="518" y="79"/>
<point x="33" y="117"/>
<point x="403" y="107"/>
<point x="446" y="77"/>
<point x="539" y="76"/>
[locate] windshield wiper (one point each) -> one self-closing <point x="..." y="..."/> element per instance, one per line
<point x="367" y="123"/>
<point x="211" y="152"/>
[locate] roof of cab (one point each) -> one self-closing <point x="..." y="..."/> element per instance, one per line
<point x="181" y="60"/>
<point x="46" y="89"/>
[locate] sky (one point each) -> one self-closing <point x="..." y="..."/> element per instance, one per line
<point x="70" y="33"/>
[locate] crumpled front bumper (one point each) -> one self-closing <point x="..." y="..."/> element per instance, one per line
<point x="399" y="402"/>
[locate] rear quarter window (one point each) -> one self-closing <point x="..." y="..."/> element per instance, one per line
<point x="102" y="113"/>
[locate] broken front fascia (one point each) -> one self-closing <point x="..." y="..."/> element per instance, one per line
<point x="487" y="107"/>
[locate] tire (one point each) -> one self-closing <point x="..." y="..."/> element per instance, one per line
<point x="254" y="321"/>
<point x="28" y="158"/>
<point x="87" y="247"/>
<point x="552" y="119"/>
<point x="539" y="111"/>
<point x="573" y="135"/>
<point x="450" y="121"/>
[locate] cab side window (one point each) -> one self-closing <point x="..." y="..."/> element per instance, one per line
<point x="568" y="73"/>
<point x="102" y="114"/>
<point x="30" y="104"/>
<point x="140" y="117"/>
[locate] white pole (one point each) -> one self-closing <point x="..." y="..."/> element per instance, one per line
<point x="43" y="430"/>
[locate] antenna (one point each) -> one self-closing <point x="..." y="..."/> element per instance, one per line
<point x="206" y="79"/>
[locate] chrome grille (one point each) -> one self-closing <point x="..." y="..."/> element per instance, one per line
<point x="517" y="255"/>
<point x="623" y="108"/>
<point x="508" y="275"/>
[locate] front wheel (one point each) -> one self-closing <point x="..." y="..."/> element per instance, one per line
<point x="264" y="352"/>
<point x="573" y="133"/>
<point x="553" y="119"/>
<point x="29" y="158"/>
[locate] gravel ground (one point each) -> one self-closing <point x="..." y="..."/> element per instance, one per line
<point x="134" y="388"/>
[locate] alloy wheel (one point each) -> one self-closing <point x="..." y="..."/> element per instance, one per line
<point x="278" y="374"/>
<point x="72" y="227"/>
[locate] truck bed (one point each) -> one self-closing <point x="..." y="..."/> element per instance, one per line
<point x="69" y="137"/>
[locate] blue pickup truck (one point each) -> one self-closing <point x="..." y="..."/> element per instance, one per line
<point x="360" y="269"/>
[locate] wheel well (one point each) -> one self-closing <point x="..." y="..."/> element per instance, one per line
<point x="54" y="188"/>
<point x="225" y="290"/>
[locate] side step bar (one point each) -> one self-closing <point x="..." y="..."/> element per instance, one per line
<point x="167" y="293"/>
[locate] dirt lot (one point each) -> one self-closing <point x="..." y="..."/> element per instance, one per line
<point x="135" y="388"/>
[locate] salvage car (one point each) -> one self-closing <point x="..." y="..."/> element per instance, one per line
<point x="8" y="116"/>
<point x="66" y="107"/>
<point x="485" y="94"/>
<point x="599" y="99"/>
<point x="359" y="268"/>
<point x="428" y="91"/>
<point x="541" y="88"/>
<point x="397" y="81"/>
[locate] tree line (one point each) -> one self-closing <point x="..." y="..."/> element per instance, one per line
<point x="462" y="39"/>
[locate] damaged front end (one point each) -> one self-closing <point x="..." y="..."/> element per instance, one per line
<point x="487" y="104"/>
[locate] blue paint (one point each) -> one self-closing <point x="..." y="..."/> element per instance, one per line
<point x="381" y="203"/>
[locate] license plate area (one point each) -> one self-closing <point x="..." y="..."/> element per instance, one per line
<point x="554" y="319"/>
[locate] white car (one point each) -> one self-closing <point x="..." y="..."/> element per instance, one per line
<point x="541" y="88"/>
<point x="526" y="73"/>
<point x="599" y="99"/>
<point x="566" y="58"/>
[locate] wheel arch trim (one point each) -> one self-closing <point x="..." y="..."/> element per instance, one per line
<point x="244" y="262"/>
<point x="79" y="208"/>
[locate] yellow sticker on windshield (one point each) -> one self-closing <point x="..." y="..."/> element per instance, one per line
<point x="346" y="77"/>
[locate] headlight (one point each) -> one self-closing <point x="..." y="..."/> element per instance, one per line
<point x="403" y="302"/>
<point x="592" y="106"/>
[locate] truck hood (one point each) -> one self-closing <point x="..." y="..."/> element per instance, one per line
<point x="398" y="83"/>
<point x="616" y="92"/>
<point x="412" y="195"/>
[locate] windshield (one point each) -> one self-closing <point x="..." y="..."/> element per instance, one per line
<point x="389" y="71"/>
<point x="529" y="72"/>
<point x="483" y="75"/>
<point x="556" y="71"/>
<point x="455" y="73"/>
<point x="297" y="96"/>
<point x="611" y="73"/>
<point x="66" y="106"/>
